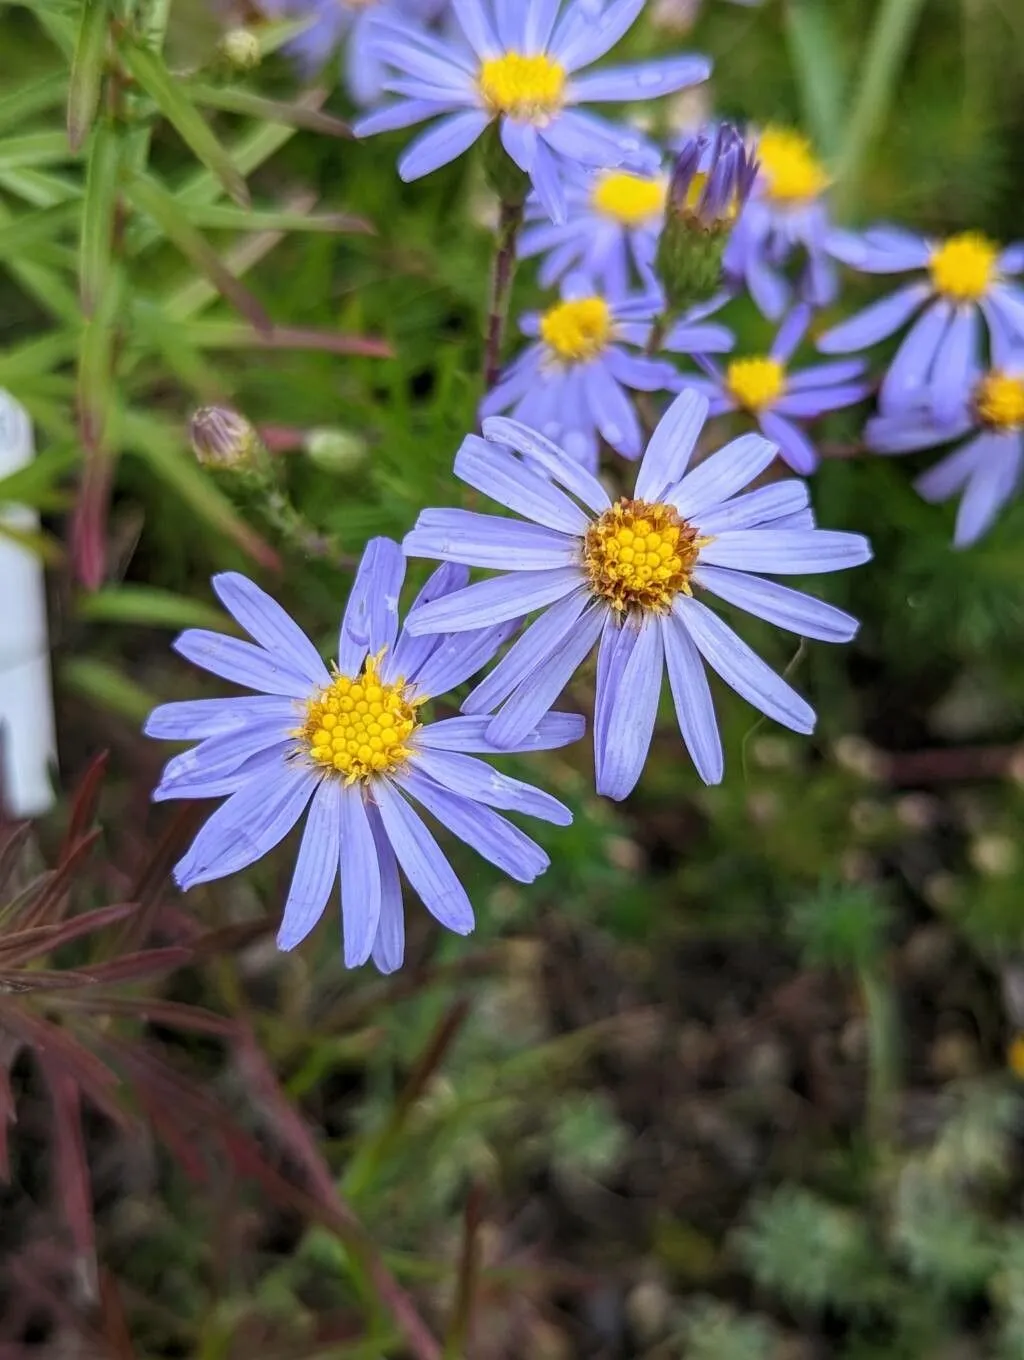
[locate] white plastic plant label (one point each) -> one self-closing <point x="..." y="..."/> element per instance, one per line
<point x="27" y="738"/>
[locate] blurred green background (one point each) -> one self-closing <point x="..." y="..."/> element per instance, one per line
<point x="736" y="1079"/>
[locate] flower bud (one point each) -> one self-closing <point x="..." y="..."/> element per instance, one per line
<point x="241" y="49"/>
<point x="221" y="438"/>
<point x="711" y="181"/>
<point x="334" y="450"/>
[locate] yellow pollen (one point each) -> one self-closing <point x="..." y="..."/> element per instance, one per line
<point x="577" y="331"/>
<point x="964" y="266"/>
<point x="791" y="171"/>
<point x="360" y="727"/>
<point x="528" y="89"/>
<point x="630" y="200"/>
<point x="640" y="555"/>
<point x="756" y="382"/>
<point x="999" y="400"/>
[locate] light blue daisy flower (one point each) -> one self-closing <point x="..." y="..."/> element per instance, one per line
<point x="968" y="288"/>
<point x="344" y="26"/>
<point x="986" y="466"/>
<point x="625" y="577"/>
<point x="352" y="747"/>
<point x="611" y="229"/>
<point x="776" y="398"/>
<point x="786" y="220"/>
<point x="572" y="383"/>
<point x="519" y="64"/>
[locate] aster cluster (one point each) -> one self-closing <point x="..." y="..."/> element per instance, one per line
<point x="598" y="584"/>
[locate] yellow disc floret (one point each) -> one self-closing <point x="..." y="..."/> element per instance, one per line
<point x="790" y="170"/>
<point x="528" y="89"/>
<point x="640" y="555"/>
<point x="577" y="331"/>
<point x="360" y="727"/>
<point x="999" y="400"/>
<point x="630" y="200"/>
<point x="964" y="267"/>
<point x="756" y="382"/>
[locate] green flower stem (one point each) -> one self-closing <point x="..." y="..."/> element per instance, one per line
<point x="887" y="47"/>
<point x="883" y="1057"/>
<point x="510" y="220"/>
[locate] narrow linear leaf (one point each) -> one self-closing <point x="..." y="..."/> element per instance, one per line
<point x="24" y="233"/>
<point x="815" y="51"/>
<point x="272" y="36"/>
<point x="35" y="484"/>
<point x="148" y="607"/>
<point x="229" y="335"/>
<point x="40" y="188"/>
<point x="95" y="365"/>
<point x="97" y="230"/>
<point x="33" y="148"/>
<point x="87" y="70"/>
<point x="178" y="109"/>
<point x="271" y="219"/>
<point x="36" y="97"/>
<point x="166" y="211"/>
<point x="235" y="100"/>
<point x="107" y="687"/>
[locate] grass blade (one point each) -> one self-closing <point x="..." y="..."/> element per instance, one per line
<point x="815" y="49"/>
<point x="98" y="208"/>
<point x="87" y="71"/>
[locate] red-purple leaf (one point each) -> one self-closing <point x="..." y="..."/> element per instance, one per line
<point x="23" y="945"/>
<point x="71" y="1186"/>
<point x="84" y="802"/>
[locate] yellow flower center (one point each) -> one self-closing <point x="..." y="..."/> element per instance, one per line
<point x="630" y="200"/>
<point x="641" y="555"/>
<point x="791" y="171"/>
<point x="963" y="267"/>
<point x="529" y="89"/>
<point x="756" y="382"/>
<point x="361" y="727"/>
<point x="999" y="400"/>
<point x="577" y="331"/>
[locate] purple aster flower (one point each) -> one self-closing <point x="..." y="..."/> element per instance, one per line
<point x="351" y="746"/>
<point x="622" y="576"/>
<point x="985" y="468"/>
<point x="521" y="67"/>
<point x="571" y="384"/>
<point x="967" y="284"/>
<point x="785" y="216"/>
<point x="764" y="387"/>
<point x="345" y="24"/>
<point x="611" y="229"/>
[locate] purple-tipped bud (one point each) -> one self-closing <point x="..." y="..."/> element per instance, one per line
<point x="221" y="438"/>
<point x="711" y="181"/>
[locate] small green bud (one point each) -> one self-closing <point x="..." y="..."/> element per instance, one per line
<point x="241" y="49"/>
<point x="335" y="450"/>
<point x="221" y="438"/>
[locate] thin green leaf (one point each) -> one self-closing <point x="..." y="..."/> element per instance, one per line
<point x="43" y="283"/>
<point x="167" y="212"/>
<point x="172" y="101"/>
<point x="163" y="448"/>
<point x="815" y="52"/>
<point x="888" y="44"/>
<point x="235" y="100"/>
<point x="33" y="148"/>
<point x="22" y="234"/>
<point x="35" y="484"/>
<point x="229" y="335"/>
<point x="96" y="365"/>
<point x="98" y="209"/>
<point x="34" y="357"/>
<point x="273" y="36"/>
<point x="148" y="607"/>
<point x="272" y="219"/>
<point x="40" y="544"/>
<point x="87" y="70"/>
<point x="104" y="685"/>
<point x="40" y="188"/>
<point x="36" y="97"/>
<point x="158" y="333"/>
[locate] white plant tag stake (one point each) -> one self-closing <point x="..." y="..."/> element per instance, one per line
<point x="27" y="740"/>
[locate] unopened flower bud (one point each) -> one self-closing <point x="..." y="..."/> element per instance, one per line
<point x="335" y="450"/>
<point x="240" y="48"/>
<point x="711" y="181"/>
<point x="221" y="438"/>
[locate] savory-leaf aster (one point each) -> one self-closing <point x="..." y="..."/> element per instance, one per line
<point x="776" y="397"/>
<point x="344" y="26"/>
<point x="351" y="745"/>
<point x="967" y="287"/>
<point x="519" y="65"/>
<point x="571" y="383"/>
<point x="611" y="228"/>
<point x="625" y="576"/>
<point x="985" y="468"/>
<point x="786" y="214"/>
